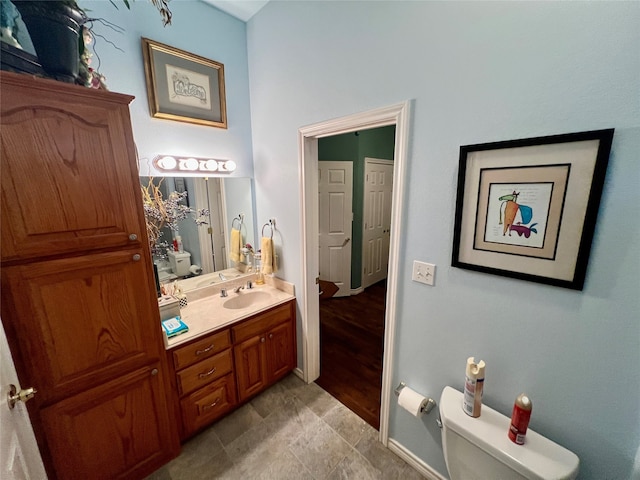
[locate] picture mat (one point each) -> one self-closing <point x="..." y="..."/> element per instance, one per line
<point x="582" y="157"/>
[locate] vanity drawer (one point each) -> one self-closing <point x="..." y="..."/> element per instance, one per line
<point x="204" y="372"/>
<point x="204" y="348"/>
<point x="207" y="404"/>
<point x="265" y="321"/>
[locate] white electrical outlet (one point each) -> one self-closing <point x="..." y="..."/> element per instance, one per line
<point x="423" y="272"/>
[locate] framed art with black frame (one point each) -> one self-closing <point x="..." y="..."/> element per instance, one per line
<point x="183" y="86"/>
<point x="527" y="208"/>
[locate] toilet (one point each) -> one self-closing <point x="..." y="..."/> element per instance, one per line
<point x="180" y="263"/>
<point x="480" y="449"/>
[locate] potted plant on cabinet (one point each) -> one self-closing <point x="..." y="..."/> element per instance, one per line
<point x="59" y="30"/>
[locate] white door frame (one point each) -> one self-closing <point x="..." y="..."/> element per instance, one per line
<point x="397" y="115"/>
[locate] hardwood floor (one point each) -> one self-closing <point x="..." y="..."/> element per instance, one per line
<point x="351" y="348"/>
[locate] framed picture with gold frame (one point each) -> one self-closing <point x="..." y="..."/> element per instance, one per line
<point x="183" y="86"/>
<point x="527" y="208"/>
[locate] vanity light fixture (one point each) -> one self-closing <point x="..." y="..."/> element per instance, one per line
<point x="168" y="163"/>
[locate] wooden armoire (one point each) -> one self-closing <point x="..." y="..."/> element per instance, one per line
<point x="78" y="295"/>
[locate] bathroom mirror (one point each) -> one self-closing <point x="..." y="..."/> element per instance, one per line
<point x="205" y="261"/>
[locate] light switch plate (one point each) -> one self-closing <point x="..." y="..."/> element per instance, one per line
<point x="423" y="272"/>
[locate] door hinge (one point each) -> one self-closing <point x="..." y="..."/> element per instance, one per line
<point x="209" y="230"/>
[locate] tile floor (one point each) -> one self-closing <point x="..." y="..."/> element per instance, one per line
<point x="292" y="431"/>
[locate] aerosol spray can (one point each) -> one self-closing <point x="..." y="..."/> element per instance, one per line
<point x="520" y="419"/>
<point x="473" y="387"/>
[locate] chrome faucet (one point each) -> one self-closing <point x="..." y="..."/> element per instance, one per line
<point x="222" y="277"/>
<point x="223" y="292"/>
<point x="238" y="288"/>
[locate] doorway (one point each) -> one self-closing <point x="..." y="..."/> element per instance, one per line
<point x="352" y="326"/>
<point x="397" y="115"/>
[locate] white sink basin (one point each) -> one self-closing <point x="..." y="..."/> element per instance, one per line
<point x="243" y="300"/>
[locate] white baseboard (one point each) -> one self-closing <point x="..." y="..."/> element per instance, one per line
<point x="356" y="291"/>
<point x="422" y="468"/>
<point x="298" y="373"/>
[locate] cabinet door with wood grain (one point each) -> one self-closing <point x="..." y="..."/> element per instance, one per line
<point x="67" y="180"/>
<point x="117" y="430"/>
<point x="251" y="366"/>
<point x="79" y="322"/>
<point x="280" y="351"/>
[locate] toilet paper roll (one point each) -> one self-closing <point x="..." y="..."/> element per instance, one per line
<point x="412" y="401"/>
<point x="195" y="269"/>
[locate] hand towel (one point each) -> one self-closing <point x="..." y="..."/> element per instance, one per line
<point x="236" y="245"/>
<point x="268" y="264"/>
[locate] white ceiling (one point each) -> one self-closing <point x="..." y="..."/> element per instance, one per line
<point x="242" y="9"/>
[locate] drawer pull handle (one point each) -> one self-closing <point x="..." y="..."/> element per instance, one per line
<point x="207" y="407"/>
<point x="208" y="349"/>
<point x="210" y="372"/>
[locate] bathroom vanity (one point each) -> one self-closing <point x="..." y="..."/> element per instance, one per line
<point x="236" y="347"/>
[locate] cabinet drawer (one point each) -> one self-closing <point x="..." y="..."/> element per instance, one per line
<point x="207" y="404"/>
<point x="204" y="348"/>
<point x="204" y="372"/>
<point x="262" y="323"/>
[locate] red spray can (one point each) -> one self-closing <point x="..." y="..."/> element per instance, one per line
<point x="520" y="419"/>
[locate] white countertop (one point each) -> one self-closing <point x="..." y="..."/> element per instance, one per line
<point x="204" y="312"/>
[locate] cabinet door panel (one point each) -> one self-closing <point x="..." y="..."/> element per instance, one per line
<point x="79" y="156"/>
<point x="281" y="355"/>
<point x="78" y="321"/>
<point x="119" y="430"/>
<point x="251" y="362"/>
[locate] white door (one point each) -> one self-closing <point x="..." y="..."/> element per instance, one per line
<point x="376" y="229"/>
<point x="18" y="449"/>
<point x="212" y="236"/>
<point x="335" y="195"/>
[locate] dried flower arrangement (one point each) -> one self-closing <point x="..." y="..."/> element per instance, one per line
<point x="160" y="213"/>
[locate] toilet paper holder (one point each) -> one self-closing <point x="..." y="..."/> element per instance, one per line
<point x="431" y="403"/>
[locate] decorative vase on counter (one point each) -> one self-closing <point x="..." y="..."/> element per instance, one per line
<point x="54" y="28"/>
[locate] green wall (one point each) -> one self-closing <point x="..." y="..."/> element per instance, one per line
<point x="374" y="143"/>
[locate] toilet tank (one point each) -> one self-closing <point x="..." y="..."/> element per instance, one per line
<point x="180" y="262"/>
<point x="480" y="448"/>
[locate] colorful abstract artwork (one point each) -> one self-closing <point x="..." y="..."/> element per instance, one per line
<point x="527" y="208"/>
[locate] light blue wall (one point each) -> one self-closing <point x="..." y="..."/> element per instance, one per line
<point x="197" y="28"/>
<point x="476" y="72"/>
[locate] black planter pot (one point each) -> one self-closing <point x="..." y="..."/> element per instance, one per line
<point x="54" y="29"/>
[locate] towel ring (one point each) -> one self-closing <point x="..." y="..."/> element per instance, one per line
<point x="270" y="225"/>
<point x="239" y="220"/>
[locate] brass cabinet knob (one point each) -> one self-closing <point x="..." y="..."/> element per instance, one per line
<point x="133" y="237"/>
<point x="136" y="257"/>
